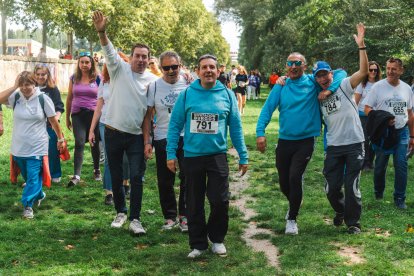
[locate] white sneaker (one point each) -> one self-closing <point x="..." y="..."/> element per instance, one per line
<point x="169" y="224"/>
<point x="56" y="180"/>
<point x="136" y="227"/>
<point x="119" y="220"/>
<point x="219" y="249"/>
<point x="195" y="253"/>
<point x="291" y="227"/>
<point x="40" y="200"/>
<point x="28" y="213"/>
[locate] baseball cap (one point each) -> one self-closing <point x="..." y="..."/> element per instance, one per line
<point x="321" y="66"/>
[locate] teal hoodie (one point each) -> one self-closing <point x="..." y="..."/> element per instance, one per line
<point x="206" y="115"/>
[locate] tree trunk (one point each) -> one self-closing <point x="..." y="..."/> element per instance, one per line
<point x="70" y="43"/>
<point x="44" y="35"/>
<point x="4" y="32"/>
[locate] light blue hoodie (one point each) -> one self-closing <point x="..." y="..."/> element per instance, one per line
<point x="298" y="107"/>
<point x="216" y="102"/>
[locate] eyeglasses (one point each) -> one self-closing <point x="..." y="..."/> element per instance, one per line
<point x="173" y="67"/>
<point x="85" y="54"/>
<point x="373" y="70"/>
<point x="290" y="63"/>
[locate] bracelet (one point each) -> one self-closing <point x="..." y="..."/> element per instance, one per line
<point x="362" y="48"/>
<point x="61" y="140"/>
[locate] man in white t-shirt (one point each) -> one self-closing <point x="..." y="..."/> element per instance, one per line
<point x="345" y="137"/>
<point x="395" y="96"/>
<point x="161" y="98"/>
<point x="123" y="131"/>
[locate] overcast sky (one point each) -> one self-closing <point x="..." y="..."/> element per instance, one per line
<point x="228" y="29"/>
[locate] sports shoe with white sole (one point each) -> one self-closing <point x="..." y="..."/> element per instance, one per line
<point x="56" y="180"/>
<point x="136" y="227"/>
<point x="291" y="227"/>
<point x="28" y="213"/>
<point x="219" y="249"/>
<point x="40" y="200"/>
<point x="195" y="253"/>
<point x="183" y="224"/>
<point x="119" y="220"/>
<point x="169" y="224"/>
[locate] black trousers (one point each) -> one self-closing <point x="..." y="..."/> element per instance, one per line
<point x="207" y="175"/>
<point x="292" y="157"/>
<point x="166" y="180"/>
<point x="342" y="167"/>
<point x="81" y="123"/>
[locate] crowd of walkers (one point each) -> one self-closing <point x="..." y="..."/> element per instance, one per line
<point x="141" y="104"/>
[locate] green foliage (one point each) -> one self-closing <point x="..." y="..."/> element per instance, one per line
<point x="320" y="29"/>
<point x="185" y="26"/>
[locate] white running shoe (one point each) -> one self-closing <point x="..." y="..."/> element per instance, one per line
<point x="219" y="249"/>
<point x="40" y="200"/>
<point x="169" y="224"/>
<point x="195" y="253"/>
<point x="136" y="227"/>
<point x="119" y="220"/>
<point x="56" y="180"/>
<point x="291" y="227"/>
<point x="28" y="213"/>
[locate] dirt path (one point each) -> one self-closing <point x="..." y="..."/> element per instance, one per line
<point x="237" y="186"/>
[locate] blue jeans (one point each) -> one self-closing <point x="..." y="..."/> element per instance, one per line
<point x="54" y="159"/>
<point x="31" y="170"/>
<point x="107" y="182"/>
<point x="400" y="166"/>
<point x="116" y="143"/>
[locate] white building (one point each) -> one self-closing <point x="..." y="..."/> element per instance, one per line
<point x="29" y="47"/>
<point x="233" y="57"/>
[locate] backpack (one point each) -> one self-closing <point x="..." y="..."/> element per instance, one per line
<point x="41" y="100"/>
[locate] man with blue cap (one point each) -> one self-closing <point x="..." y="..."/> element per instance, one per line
<point x="345" y="138"/>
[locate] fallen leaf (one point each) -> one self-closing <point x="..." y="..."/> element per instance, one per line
<point x="141" y="246"/>
<point x="69" y="247"/>
<point x="409" y="229"/>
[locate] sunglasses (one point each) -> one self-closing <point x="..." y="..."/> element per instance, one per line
<point x="173" y="67"/>
<point x="373" y="70"/>
<point x="84" y="54"/>
<point x="151" y="63"/>
<point x="290" y="63"/>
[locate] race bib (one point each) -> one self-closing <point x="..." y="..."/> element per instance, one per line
<point x="331" y="105"/>
<point x="204" y="123"/>
<point x="398" y="107"/>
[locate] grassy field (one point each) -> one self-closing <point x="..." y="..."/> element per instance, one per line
<point x="70" y="234"/>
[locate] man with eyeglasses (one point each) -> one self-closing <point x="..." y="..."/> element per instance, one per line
<point x="124" y="118"/>
<point x="206" y="111"/>
<point x="345" y="138"/>
<point x="299" y="124"/>
<point x="394" y="96"/>
<point x="162" y="95"/>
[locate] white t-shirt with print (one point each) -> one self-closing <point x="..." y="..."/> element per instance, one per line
<point x="341" y="117"/>
<point x="162" y="96"/>
<point x="363" y="91"/>
<point x="29" y="137"/>
<point x="394" y="99"/>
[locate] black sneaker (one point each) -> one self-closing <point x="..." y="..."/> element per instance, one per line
<point x="338" y="220"/>
<point x="73" y="182"/>
<point x="354" y="230"/>
<point x="400" y="203"/>
<point x="109" y="199"/>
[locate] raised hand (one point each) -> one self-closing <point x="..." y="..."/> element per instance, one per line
<point x="359" y="38"/>
<point x="99" y="21"/>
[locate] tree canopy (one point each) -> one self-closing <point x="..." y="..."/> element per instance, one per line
<point x="184" y="26"/>
<point x="320" y="29"/>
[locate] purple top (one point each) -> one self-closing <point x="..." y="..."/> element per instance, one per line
<point x="84" y="96"/>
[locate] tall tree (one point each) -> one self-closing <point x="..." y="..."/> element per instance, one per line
<point x="8" y="9"/>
